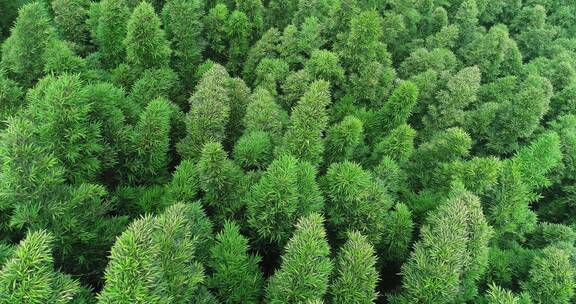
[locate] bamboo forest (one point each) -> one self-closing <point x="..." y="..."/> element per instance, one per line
<point x="287" y="151"/>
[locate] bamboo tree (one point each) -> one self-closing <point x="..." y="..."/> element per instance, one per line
<point x="146" y="43"/>
<point x="287" y="190"/>
<point x="22" y="51"/>
<point x="356" y="275"/>
<point x="234" y="268"/>
<point x="29" y="275"/>
<point x="306" y="265"/>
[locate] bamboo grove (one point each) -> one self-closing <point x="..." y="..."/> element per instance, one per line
<point x="288" y="151"/>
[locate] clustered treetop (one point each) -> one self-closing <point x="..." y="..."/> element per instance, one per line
<point x="287" y="151"/>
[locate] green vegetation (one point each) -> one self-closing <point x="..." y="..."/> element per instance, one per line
<point x="288" y="151"/>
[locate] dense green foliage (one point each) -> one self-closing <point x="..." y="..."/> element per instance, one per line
<point x="288" y="151"/>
